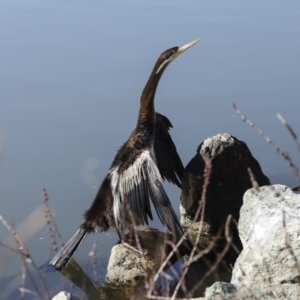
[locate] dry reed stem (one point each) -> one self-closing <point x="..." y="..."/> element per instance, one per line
<point x="202" y="202"/>
<point x="162" y="267"/>
<point x="254" y="183"/>
<point x="229" y="238"/>
<point x="10" y="248"/>
<point x="27" y="291"/>
<point x="289" y="129"/>
<point x="25" y="259"/>
<point x="51" y="220"/>
<point x="284" y="154"/>
<point x="93" y="255"/>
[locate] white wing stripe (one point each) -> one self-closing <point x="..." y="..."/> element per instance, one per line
<point x="122" y="184"/>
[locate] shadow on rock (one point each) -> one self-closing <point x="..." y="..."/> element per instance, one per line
<point x="229" y="161"/>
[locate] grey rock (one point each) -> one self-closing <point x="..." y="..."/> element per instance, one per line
<point x="227" y="291"/>
<point x="269" y="229"/>
<point x="127" y="266"/>
<point x="220" y="291"/>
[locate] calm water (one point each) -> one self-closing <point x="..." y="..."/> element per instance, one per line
<point x="72" y="73"/>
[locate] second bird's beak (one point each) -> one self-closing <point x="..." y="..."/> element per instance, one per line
<point x="187" y="46"/>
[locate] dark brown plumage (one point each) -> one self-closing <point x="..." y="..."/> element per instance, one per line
<point x="136" y="174"/>
<point x="168" y="161"/>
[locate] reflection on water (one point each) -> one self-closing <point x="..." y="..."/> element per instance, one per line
<point x="72" y="74"/>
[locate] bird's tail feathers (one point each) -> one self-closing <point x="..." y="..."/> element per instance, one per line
<point x="62" y="258"/>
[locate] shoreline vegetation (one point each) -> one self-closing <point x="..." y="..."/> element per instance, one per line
<point x="165" y="270"/>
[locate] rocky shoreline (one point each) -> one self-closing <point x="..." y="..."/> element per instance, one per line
<point x="262" y="259"/>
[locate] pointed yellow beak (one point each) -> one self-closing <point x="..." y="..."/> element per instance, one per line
<point x="187" y="46"/>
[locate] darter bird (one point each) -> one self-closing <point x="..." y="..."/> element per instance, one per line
<point x="142" y="163"/>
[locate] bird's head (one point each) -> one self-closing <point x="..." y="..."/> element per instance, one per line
<point x="169" y="55"/>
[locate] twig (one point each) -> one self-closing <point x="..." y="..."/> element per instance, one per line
<point x="25" y="258"/>
<point x="289" y="129"/>
<point x="220" y="256"/>
<point x="207" y="175"/>
<point x="284" y="154"/>
<point x="253" y="180"/>
<point x="51" y="220"/>
<point x="93" y="254"/>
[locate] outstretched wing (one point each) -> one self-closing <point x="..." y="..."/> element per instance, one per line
<point x="135" y="186"/>
<point x="130" y="191"/>
<point x="161" y="200"/>
<point x="168" y="161"/>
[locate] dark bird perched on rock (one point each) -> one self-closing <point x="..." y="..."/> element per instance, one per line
<point x="136" y="174"/>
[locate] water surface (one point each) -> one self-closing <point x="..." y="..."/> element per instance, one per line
<point x="71" y="77"/>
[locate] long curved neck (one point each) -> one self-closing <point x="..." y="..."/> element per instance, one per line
<point x="147" y="110"/>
